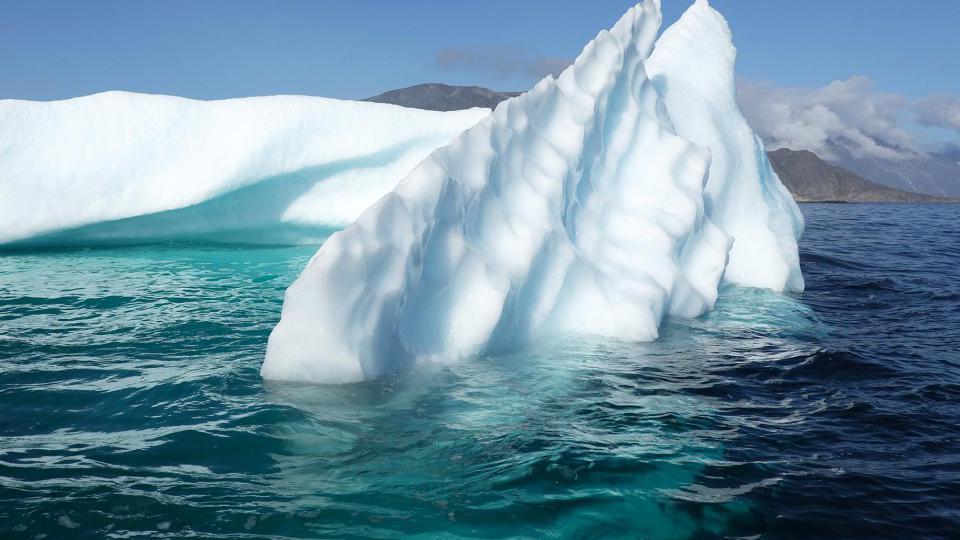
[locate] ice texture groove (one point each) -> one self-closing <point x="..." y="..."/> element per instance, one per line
<point x="120" y="166"/>
<point x="574" y="209"/>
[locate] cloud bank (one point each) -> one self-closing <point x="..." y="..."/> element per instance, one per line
<point x="941" y="110"/>
<point x="499" y="62"/>
<point x="849" y="113"/>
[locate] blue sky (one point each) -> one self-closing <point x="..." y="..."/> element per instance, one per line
<point x="357" y="48"/>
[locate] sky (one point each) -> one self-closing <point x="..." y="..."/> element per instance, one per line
<point x="213" y="49"/>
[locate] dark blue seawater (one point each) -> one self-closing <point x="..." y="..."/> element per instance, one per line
<point x="131" y="406"/>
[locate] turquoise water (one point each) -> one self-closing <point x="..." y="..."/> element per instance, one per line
<point x="132" y="407"/>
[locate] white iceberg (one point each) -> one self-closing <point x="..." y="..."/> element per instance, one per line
<point x="692" y="68"/>
<point x="120" y="166"/>
<point x="581" y="207"/>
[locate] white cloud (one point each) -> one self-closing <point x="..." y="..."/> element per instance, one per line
<point x="851" y="114"/>
<point x="500" y="62"/>
<point x="941" y="110"/>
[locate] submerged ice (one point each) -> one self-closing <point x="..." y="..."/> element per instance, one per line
<point x="120" y="166"/>
<point x="598" y="203"/>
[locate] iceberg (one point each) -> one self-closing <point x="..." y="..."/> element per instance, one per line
<point x="121" y="167"/>
<point x="595" y="204"/>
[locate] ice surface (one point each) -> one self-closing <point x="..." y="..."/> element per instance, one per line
<point x="575" y="208"/>
<point x="122" y="166"/>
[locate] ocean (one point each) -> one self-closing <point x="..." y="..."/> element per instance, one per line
<point x="131" y="406"/>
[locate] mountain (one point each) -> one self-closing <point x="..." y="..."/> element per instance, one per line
<point x="811" y="179"/>
<point x="443" y="97"/>
<point x="919" y="173"/>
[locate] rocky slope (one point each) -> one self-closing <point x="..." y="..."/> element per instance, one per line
<point x="811" y="179"/>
